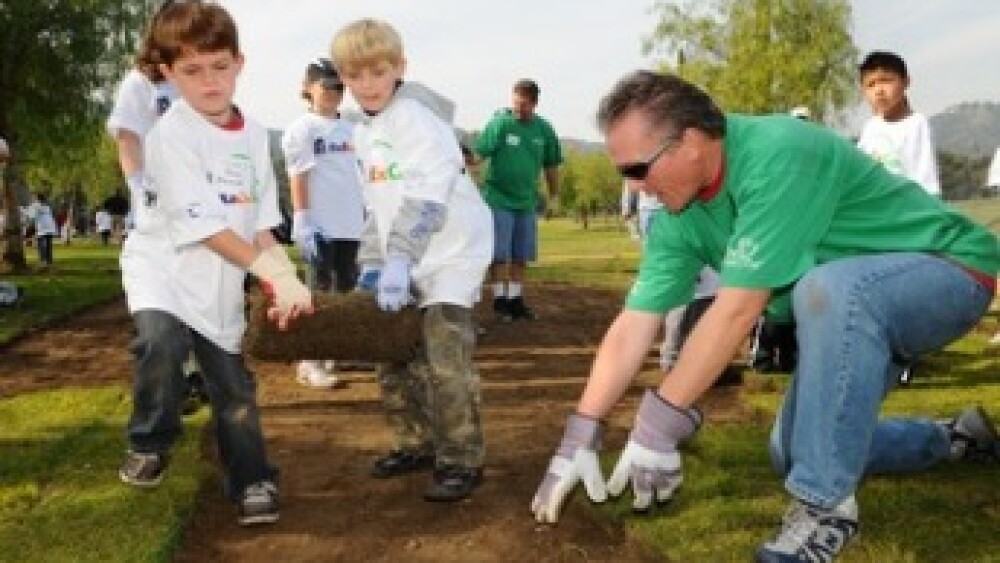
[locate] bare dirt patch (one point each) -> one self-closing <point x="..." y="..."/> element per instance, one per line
<point x="324" y="442"/>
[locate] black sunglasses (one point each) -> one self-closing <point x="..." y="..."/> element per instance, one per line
<point x="639" y="170"/>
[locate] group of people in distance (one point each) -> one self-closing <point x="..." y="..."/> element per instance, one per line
<point x="792" y="218"/>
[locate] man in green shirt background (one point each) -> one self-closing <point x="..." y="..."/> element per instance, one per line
<point x="521" y="146"/>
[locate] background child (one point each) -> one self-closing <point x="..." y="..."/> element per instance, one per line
<point x="326" y="195"/>
<point x="142" y="97"/>
<point x="428" y="227"/>
<point x="44" y="222"/>
<point x="895" y="135"/>
<point x="210" y="189"/>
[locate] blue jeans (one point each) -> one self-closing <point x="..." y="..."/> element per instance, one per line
<point x="45" y="249"/>
<point x="515" y="237"/>
<point x="860" y="320"/>
<point x="159" y="387"/>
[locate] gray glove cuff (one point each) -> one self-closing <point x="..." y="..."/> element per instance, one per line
<point x="660" y="425"/>
<point x="581" y="432"/>
<point x="369" y="249"/>
<point x="417" y="221"/>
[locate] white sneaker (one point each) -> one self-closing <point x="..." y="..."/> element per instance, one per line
<point x="329" y="366"/>
<point x="995" y="341"/>
<point x="311" y="374"/>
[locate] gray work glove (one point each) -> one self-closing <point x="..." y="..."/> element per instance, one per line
<point x="575" y="460"/>
<point x="650" y="461"/>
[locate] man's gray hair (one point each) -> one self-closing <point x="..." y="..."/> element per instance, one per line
<point x="671" y="104"/>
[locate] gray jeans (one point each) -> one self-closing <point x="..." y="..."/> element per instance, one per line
<point x="159" y="387"/>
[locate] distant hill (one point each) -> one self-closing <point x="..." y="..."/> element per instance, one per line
<point x="969" y="129"/>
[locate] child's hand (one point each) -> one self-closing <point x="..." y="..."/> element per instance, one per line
<point x="394" y="283"/>
<point x="290" y="297"/>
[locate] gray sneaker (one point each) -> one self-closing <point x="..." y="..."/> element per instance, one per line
<point x="143" y="470"/>
<point x="972" y="435"/>
<point x="811" y="534"/>
<point x="259" y="504"/>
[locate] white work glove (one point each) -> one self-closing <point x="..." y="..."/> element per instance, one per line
<point x="304" y="234"/>
<point x="291" y="297"/>
<point x="650" y="460"/>
<point x="575" y="460"/>
<point x="394" y="283"/>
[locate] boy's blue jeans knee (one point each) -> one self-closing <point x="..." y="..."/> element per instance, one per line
<point x="858" y="319"/>
<point x="158" y="389"/>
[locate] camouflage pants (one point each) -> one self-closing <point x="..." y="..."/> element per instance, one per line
<point x="432" y="402"/>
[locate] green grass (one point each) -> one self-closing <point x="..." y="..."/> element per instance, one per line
<point x="602" y="255"/>
<point x="83" y="274"/>
<point x="60" y="497"/>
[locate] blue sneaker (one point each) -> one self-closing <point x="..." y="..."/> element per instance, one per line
<point x="811" y="535"/>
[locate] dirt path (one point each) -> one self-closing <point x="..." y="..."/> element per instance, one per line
<point x="325" y="441"/>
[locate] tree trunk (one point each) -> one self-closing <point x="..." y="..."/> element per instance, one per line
<point x="12" y="243"/>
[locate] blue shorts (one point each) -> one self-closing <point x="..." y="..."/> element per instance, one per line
<point x="514" y="236"/>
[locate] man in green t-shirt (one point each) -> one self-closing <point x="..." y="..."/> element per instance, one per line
<point x="797" y="221"/>
<point x="520" y="146"/>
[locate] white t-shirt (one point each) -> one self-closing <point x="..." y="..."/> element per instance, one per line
<point x="138" y="105"/>
<point x="103" y="220"/>
<point x="324" y="148"/>
<point x="406" y="150"/>
<point x="904" y="147"/>
<point x="203" y="179"/>
<point x="41" y="215"/>
<point x="993" y="176"/>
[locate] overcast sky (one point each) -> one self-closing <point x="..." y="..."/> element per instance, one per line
<point x="473" y="51"/>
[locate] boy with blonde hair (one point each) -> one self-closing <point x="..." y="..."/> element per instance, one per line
<point x="428" y="232"/>
<point x="210" y="190"/>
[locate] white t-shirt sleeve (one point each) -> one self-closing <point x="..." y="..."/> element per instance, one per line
<point x="298" y="149"/>
<point x="132" y="110"/>
<point x="430" y="162"/>
<point x="922" y="160"/>
<point x="177" y="177"/>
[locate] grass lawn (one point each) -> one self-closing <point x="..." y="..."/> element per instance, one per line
<point x="83" y="274"/>
<point x="60" y="499"/>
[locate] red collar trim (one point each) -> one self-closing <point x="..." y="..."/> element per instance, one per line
<point x="712" y="190"/>
<point x="235" y="122"/>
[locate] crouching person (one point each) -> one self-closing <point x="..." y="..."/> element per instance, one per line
<point x="794" y="218"/>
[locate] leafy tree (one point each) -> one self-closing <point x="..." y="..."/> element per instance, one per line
<point x="760" y="56"/>
<point x="59" y="61"/>
<point x="588" y="181"/>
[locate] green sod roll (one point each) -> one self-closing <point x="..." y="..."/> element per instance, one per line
<point x="346" y="326"/>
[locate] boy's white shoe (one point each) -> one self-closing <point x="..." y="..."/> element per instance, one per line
<point x="995" y="341"/>
<point x="311" y="374"/>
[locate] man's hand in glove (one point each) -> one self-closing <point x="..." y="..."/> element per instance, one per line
<point x="304" y="234"/>
<point x="394" y="283"/>
<point x="291" y="297"/>
<point x="650" y="461"/>
<point x="575" y="460"/>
